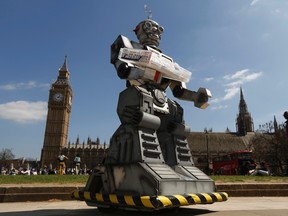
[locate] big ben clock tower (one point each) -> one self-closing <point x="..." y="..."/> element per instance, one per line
<point x="59" y="108"/>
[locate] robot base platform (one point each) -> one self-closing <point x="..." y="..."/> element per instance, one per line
<point x="147" y="203"/>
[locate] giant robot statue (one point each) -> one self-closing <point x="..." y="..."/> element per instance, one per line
<point x="149" y="165"/>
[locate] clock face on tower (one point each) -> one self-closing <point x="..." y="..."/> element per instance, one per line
<point x="58" y="97"/>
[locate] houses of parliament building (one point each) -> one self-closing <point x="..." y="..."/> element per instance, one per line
<point x="203" y="145"/>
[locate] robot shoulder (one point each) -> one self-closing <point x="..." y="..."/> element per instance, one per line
<point x="122" y="42"/>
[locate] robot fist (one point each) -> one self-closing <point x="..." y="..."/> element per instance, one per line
<point x="201" y="99"/>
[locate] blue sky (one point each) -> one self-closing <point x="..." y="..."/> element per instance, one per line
<point x="225" y="44"/>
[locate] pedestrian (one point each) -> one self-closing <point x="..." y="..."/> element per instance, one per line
<point x="62" y="159"/>
<point x="261" y="171"/>
<point x="77" y="162"/>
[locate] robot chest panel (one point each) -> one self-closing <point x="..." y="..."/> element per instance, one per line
<point x="160" y="101"/>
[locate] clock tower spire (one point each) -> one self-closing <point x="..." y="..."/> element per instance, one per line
<point x="58" y="115"/>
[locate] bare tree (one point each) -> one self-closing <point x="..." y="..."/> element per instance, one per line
<point x="272" y="148"/>
<point x="6" y="155"/>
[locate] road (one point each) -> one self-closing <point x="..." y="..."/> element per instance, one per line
<point x="236" y="206"/>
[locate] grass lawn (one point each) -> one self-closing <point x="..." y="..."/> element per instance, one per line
<point x="43" y="179"/>
<point x="82" y="179"/>
<point x="250" y="179"/>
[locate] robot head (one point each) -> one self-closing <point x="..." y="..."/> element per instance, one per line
<point x="149" y="32"/>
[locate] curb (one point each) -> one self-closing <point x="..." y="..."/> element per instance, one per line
<point x="30" y="193"/>
<point x="253" y="189"/>
<point x="24" y="193"/>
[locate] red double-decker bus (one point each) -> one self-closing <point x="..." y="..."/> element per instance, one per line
<point x="235" y="163"/>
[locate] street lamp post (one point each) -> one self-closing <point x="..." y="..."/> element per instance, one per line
<point x="207" y="151"/>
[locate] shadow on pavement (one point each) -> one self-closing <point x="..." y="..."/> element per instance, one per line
<point x="95" y="212"/>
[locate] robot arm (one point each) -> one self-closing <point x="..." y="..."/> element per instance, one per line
<point x="200" y="97"/>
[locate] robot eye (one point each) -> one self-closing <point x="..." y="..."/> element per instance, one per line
<point x="147" y="25"/>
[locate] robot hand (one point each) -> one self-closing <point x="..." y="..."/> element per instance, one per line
<point x="201" y="98"/>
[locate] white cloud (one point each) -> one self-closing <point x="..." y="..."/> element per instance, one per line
<point x="233" y="82"/>
<point x="230" y="93"/>
<point x="241" y="77"/>
<point x="208" y="79"/>
<point x="23" y="85"/>
<point x="219" y="107"/>
<point x="23" y="111"/>
<point x="254" y="2"/>
<point x="236" y="75"/>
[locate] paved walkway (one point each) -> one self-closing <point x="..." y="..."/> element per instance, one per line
<point x="236" y="206"/>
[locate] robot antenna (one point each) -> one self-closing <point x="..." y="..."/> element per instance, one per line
<point x="148" y="11"/>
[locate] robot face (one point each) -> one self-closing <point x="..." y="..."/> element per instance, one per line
<point x="149" y="32"/>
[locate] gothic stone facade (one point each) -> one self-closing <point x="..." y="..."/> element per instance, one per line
<point x="92" y="153"/>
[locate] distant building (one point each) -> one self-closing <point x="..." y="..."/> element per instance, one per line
<point x="244" y="121"/>
<point x="207" y="145"/>
<point x="92" y="153"/>
<point x="58" y="116"/>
